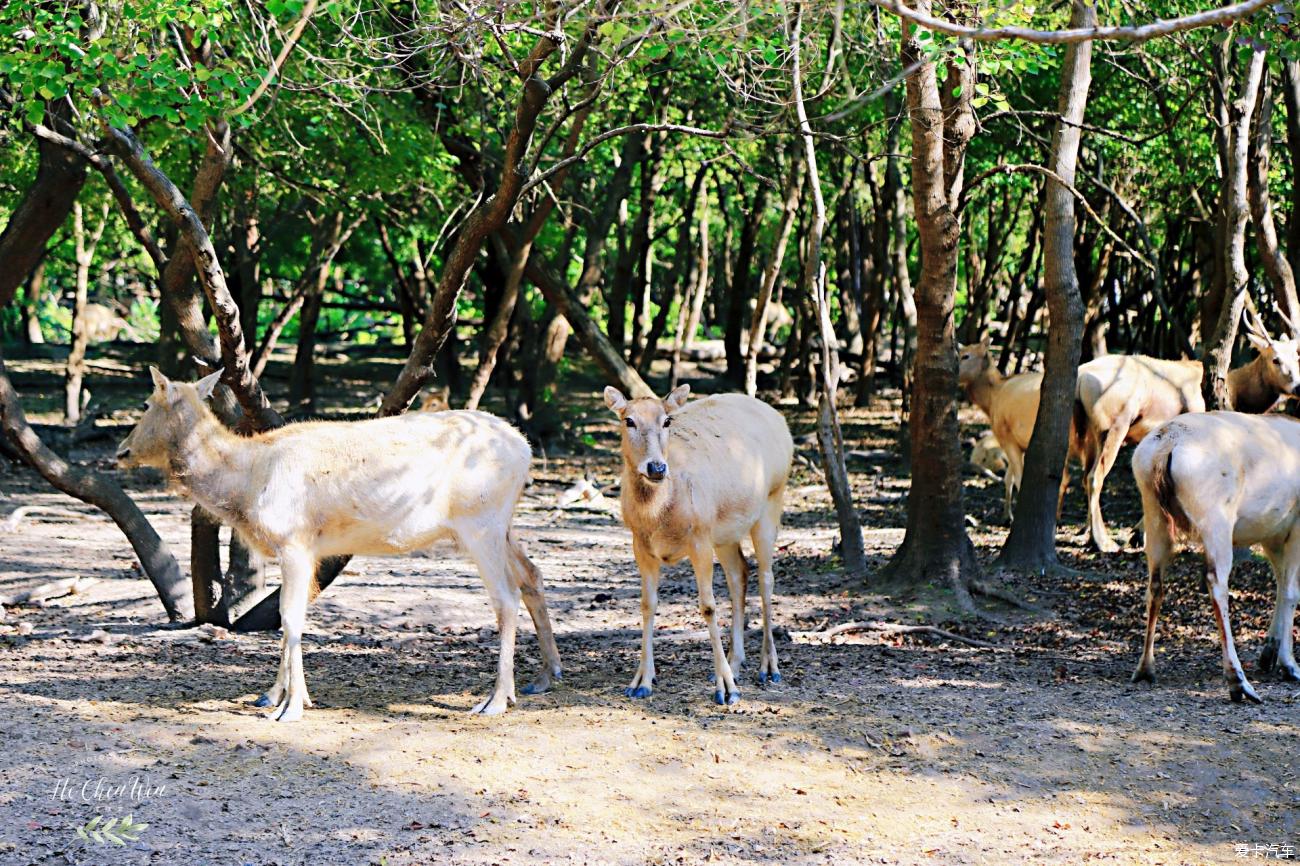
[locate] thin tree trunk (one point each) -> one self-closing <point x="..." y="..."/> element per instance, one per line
<point x="1218" y="356"/>
<point x="1276" y="266"/>
<point x="829" y="435"/>
<point x="740" y="280"/>
<point x="84" y="244"/>
<point x="1291" y="96"/>
<point x="1031" y="543"/>
<point x="688" y="313"/>
<point x="32" y="305"/>
<point x="758" y="324"/>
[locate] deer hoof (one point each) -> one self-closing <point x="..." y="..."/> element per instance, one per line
<point x="1243" y="690"/>
<point x="722" y="699"/>
<point x="1289" y="673"/>
<point x="764" y="678"/>
<point x="638" y="692"/>
<point x="262" y="701"/>
<point x="1143" y="675"/>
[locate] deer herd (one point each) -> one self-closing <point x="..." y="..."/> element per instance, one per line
<point x="699" y="477"/>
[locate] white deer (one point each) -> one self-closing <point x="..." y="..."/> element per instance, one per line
<point x="698" y="478"/>
<point x="383" y="486"/>
<point x="1224" y="479"/>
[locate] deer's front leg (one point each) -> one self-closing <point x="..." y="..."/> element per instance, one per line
<point x="702" y="561"/>
<point x="643" y="683"/>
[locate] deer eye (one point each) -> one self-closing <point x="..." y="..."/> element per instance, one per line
<point x="667" y="423"/>
<point x="631" y="425"/>
<point x="1277" y="361"/>
<point x="144" y="407"/>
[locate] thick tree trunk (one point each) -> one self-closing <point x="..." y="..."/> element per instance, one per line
<point x="155" y="559"/>
<point x="936" y="548"/>
<point x="1218" y="356"/>
<point x="44" y="207"/>
<point x="1291" y="96"/>
<point x="1032" y="541"/>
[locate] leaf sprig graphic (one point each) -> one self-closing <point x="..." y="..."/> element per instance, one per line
<point x="118" y="831"/>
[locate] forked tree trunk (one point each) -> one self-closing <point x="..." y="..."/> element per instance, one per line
<point x="1032" y="541"/>
<point x="1218" y="356"/>
<point x="936" y="549"/>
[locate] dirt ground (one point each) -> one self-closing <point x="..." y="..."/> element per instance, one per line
<point x="876" y="748"/>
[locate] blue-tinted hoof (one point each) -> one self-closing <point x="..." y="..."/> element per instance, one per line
<point x="713" y="678"/>
<point x="776" y="678"/>
<point x="719" y="699"/>
<point x="532" y="689"/>
<point x="263" y="701"/>
<point x="641" y="692"/>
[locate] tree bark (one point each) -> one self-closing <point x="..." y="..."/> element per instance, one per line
<point x="84" y="244"/>
<point x="155" y="559"/>
<point x="60" y="175"/>
<point x="1218" y="356"/>
<point x="1276" y="266"/>
<point x="740" y="280"/>
<point x="32" y="305"/>
<point x="935" y="547"/>
<point x="829" y="435"/>
<point x="1031" y="543"/>
<point x="758" y="323"/>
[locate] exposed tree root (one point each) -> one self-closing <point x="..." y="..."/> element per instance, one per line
<point x="988" y="590"/>
<point x="889" y="628"/>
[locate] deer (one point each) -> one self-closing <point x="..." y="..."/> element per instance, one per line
<point x="698" y="477"/>
<point x="383" y="486"/>
<point x="1011" y="406"/>
<point x="1122" y="398"/>
<point x="1224" y="479"/>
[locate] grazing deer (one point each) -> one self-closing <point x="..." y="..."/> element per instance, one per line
<point x="1224" y="479"/>
<point x="1122" y="398"/>
<point x="382" y="486"/>
<point x="987" y="455"/>
<point x="697" y="478"/>
<point x="1011" y="405"/>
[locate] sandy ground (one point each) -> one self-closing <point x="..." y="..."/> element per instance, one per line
<point x="875" y="749"/>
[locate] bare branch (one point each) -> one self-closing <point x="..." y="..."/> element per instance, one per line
<point x="278" y="63"/>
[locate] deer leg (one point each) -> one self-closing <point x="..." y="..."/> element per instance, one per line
<point x="1218" y="565"/>
<point x="702" y="560"/>
<point x="272" y="696"/>
<point x="737" y="572"/>
<point x="1015" y="469"/>
<point x="299" y="567"/>
<point x="1158" y="549"/>
<point x="488" y="550"/>
<point x="763" y="534"/>
<point x="529" y="582"/>
<point x="1279" y="649"/>
<point x="1111" y="442"/>
<point x="643" y="683"/>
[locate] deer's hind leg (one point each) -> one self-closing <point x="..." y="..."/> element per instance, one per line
<point x="763" y="534"/>
<point x="488" y="549"/>
<point x="528" y="580"/>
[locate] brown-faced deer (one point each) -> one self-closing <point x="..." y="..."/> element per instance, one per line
<point x="1122" y="398"/>
<point x="1011" y="405"/>
<point x="1224" y="479"/>
<point x="698" y="478"/>
<point x="383" y="486"/>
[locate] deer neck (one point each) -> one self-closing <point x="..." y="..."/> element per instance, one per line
<point x="981" y="389"/>
<point x="1248" y="390"/>
<point x="211" y="464"/>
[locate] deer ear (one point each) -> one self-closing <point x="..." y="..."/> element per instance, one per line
<point x="614" y="399"/>
<point x="985" y="343"/>
<point x="677" y="399"/>
<point x="207" y="384"/>
<point x="160" y="381"/>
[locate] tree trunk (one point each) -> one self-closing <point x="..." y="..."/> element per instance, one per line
<point x="1032" y="541"/>
<point x="829" y="436"/>
<point x="688" y="314"/>
<point x="1218" y="356"/>
<point x="740" y="280"/>
<point x="84" y="244"/>
<point x="155" y="559"/>
<point x="44" y="207"/>
<point x="1276" y="265"/>
<point x="302" y="378"/>
<point x="758" y="323"/>
<point x="936" y="548"/>
<point x="1291" y="96"/>
<point x="32" y="305"/>
<point x="895" y="197"/>
<point x="678" y="274"/>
